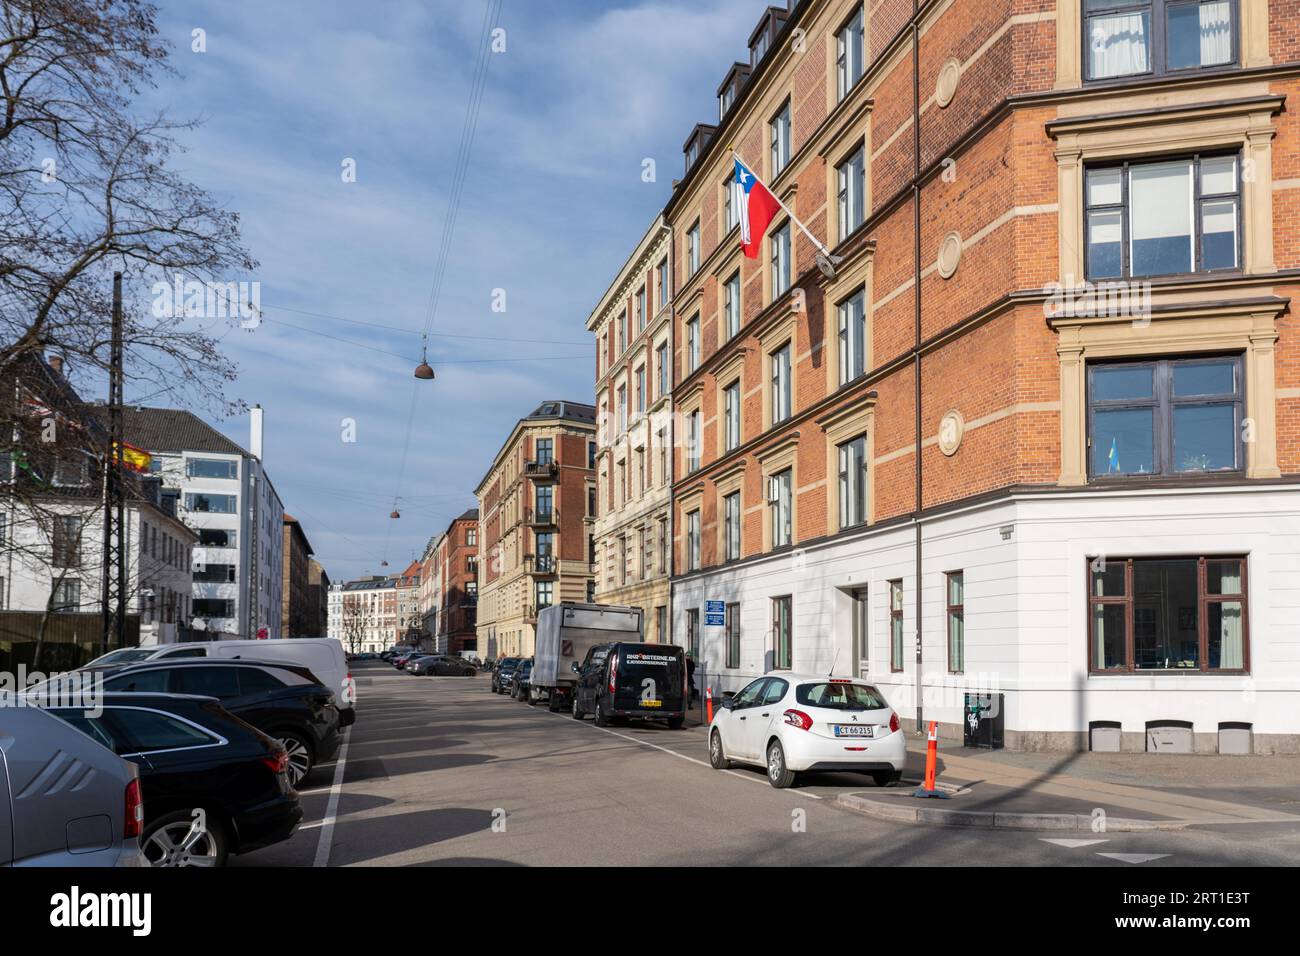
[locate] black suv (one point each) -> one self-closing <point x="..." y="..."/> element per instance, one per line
<point x="284" y="701"/>
<point x="632" y="680"/>
<point x="211" y="784"/>
<point x="503" y="672"/>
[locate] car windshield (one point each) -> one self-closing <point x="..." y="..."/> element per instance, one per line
<point x="840" y="695"/>
<point x="123" y="655"/>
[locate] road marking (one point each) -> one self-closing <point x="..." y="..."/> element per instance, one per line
<point x="1072" y="844"/>
<point x="331" y="811"/>
<point x="702" y="763"/>
<point x="1135" y="857"/>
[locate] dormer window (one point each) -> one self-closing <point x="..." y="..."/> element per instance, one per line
<point x="696" y="143"/>
<point x="730" y="89"/>
<point x="764" y="35"/>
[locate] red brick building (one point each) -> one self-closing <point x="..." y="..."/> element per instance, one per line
<point x="535" y="517"/>
<point x="939" y="459"/>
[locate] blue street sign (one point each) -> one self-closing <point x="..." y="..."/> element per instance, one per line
<point x="715" y="614"/>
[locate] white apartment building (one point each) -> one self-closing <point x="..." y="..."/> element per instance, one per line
<point x="364" y="615"/>
<point x="54" y="557"/>
<point x="223" y="493"/>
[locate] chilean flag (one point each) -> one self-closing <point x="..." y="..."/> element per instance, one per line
<point x="757" y="208"/>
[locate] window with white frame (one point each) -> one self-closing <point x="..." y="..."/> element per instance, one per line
<point x="779" y="132"/>
<point x="663" y="281"/>
<point x="693" y="344"/>
<point x="780" y="384"/>
<point x="661" y="360"/>
<point x="852" y="314"/>
<point x="693" y="441"/>
<point x="849" y="55"/>
<point x="731" y="413"/>
<point x="780" y="241"/>
<point x="853" y="482"/>
<point x="731" y="208"/>
<point x="693" y="249"/>
<point x="693" y="540"/>
<point x="731" y="526"/>
<point x="640" y="309"/>
<point x="731" y="306"/>
<point x="852" y="188"/>
<point x="779" y="495"/>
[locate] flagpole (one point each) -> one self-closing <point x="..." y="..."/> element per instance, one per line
<point x="788" y="211"/>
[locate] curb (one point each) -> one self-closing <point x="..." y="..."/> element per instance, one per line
<point x="993" y="820"/>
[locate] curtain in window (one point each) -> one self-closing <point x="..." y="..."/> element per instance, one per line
<point x="1118" y="44"/>
<point x="1230" y="629"/>
<point x="1216" y="33"/>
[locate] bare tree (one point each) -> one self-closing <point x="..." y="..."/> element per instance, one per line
<point x="86" y="188"/>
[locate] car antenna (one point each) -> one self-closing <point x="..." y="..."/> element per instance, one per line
<point x="834" y="661"/>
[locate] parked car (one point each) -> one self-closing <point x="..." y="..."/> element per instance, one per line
<point x="194" y="755"/>
<point x="324" y="656"/>
<point x="632" y="680"/>
<point x="790" y="723"/>
<point x="519" y="686"/>
<point x="441" y="666"/>
<point x="411" y="659"/>
<point x="504" y="672"/>
<point x="401" y="660"/>
<point x="285" y="701"/>
<point x="65" y="800"/>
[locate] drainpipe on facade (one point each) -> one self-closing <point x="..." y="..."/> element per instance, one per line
<point x="916" y="349"/>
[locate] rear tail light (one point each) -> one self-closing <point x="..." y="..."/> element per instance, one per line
<point x="278" y="762"/>
<point x="613" y="672"/>
<point x="893" y="722"/>
<point x="797" y="718"/>
<point x="134" y="822"/>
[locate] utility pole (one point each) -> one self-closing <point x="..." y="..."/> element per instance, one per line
<point x="112" y="588"/>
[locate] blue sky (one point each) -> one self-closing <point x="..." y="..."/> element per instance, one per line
<point x="553" y="203"/>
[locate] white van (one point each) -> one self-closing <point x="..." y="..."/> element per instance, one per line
<point x="324" y="656"/>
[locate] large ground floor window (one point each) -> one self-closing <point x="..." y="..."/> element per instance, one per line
<point x="1168" y="614"/>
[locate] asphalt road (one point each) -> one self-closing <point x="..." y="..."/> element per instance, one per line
<point x="439" y="771"/>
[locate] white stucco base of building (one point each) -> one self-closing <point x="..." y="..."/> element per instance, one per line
<point x="1024" y="562"/>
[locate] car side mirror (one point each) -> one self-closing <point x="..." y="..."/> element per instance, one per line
<point x="728" y="703"/>
<point x="575" y="668"/>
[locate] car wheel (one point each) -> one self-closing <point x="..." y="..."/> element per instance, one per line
<point x="675" y="723"/>
<point x="577" y="711"/>
<point x="883" y="778"/>
<point x="778" y="774"/>
<point x="300" y="756"/>
<point x="176" y="839"/>
<point x="533" y="700"/>
<point x="553" y="703"/>
<point x="601" y="719"/>
<point x="717" y="756"/>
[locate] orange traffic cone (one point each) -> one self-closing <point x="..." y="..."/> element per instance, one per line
<point x="931" y="759"/>
<point x="708" y="704"/>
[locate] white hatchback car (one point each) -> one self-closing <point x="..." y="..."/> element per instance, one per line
<point x="790" y="723"/>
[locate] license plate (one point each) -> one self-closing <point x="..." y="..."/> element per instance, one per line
<point x="652" y="703"/>
<point x="854" y="730"/>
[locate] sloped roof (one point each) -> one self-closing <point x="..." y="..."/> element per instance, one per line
<point x="173" y="430"/>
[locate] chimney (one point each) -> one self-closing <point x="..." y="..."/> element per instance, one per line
<point x="255" y="431"/>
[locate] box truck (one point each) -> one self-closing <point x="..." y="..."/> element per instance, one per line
<point x="565" y="632"/>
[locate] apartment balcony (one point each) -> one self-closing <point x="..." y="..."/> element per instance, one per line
<point x="543" y="470"/>
<point x="542" y="519"/>
<point x="541" y="565"/>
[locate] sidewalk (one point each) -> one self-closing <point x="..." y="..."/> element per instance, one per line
<point x="1088" y="792"/>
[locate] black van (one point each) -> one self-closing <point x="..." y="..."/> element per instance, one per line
<point x="632" y="680"/>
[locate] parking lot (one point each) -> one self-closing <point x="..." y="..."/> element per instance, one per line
<point x="439" y="771"/>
